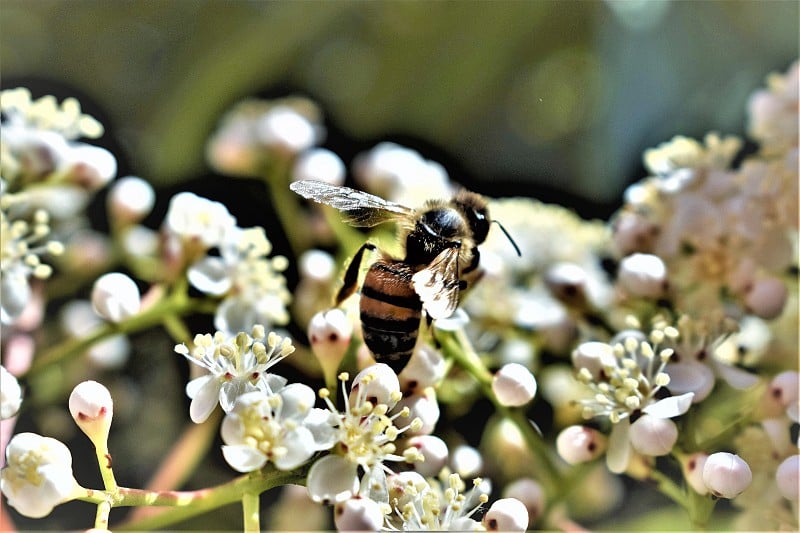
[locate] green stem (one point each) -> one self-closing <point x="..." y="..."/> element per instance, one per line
<point x="669" y="488"/>
<point x="101" y="519"/>
<point x="106" y="470"/>
<point x="185" y="505"/>
<point x="250" y="503"/>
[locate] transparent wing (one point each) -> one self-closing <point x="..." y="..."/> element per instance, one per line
<point x="358" y="208"/>
<point x="437" y="285"/>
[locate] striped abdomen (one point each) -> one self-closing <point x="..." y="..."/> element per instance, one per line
<point x="390" y="312"/>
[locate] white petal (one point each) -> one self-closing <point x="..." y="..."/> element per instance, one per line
<point x="298" y="399"/>
<point x="210" y="275"/>
<point x="244" y="458"/>
<point x="231" y="391"/>
<point x="619" y="448"/>
<point x="321" y="423"/>
<point x="206" y="398"/>
<point x="735" y="377"/>
<point x="232" y="430"/>
<point x="300" y="446"/>
<point x="690" y="376"/>
<point x="332" y="479"/>
<point x="194" y="386"/>
<point x="671" y="406"/>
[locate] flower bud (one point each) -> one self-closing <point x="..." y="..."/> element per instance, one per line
<point x="319" y="164"/>
<point x="435" y="452"/>
<point x="726" y="475"/>
<point x="786" y="477"/>
<point x="423" y="406"/>
<point x="643" y="275"/>
<point x="530" y="493"/>
<point x="38" y="474"/>
<point x="653" y="436"/>
<point x="514" y="385"/>
<point x="507" y="514"/>
<point x="766" y="298"/>
<point x="329" y="333"/>
<point x="580" y="444"/>
<point x="92" y="409"/>
<point x="10" y="394"/>
<point x="90" y="167"/>
<point x="567" y="282"/>
<point x="693" y="472"/>
<point x="425" y="369"/>
<point x="783" y="391"/>
<point x="284" y="128"/>
<point x="115" y="297"/>
<point x="358" y="514"/>
<point x="378" y="384"/>
<point x="593" y="356"/>
<point x="130" y="199"/>
<point x="466" y="461"/>
<point x="317" y="265"/>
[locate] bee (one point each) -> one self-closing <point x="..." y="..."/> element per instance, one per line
<point x="441" y="260"/>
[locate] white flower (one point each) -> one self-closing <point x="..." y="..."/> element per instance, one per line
<point x="283" y="428"/>
<point x="20" y="250"/>
<point x="196" y="219"/>
<point x="629" y="384"/>
<point x="252" y="285"/>
<point x="115" y="297"/>
<point x="514" y="385"/>
<point x="726" y="475"/>
<point x="286" y="128"/>
<point x="37" y="475"/>
<point x="236" y="365"/>
<point x="319" y="164"/>
<point x="10" y="394"/>
<point x="366" y="434"/>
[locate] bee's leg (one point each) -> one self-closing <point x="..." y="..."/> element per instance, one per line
<point x="351" y="275"/>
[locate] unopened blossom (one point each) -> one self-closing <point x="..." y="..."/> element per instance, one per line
<point x="506" y="514"/>
<point x="282" y="428"/>
<point x="726" y="475"/>
<point x="358" y="514"/>
<point x="530" y="493"/>
<point x="319" y="164"/>
<point x="115" y="297"/>
<point x="130" y="199"/>
<point x="423" y="409"/>
<point x="38" y="474"/>
<point x="514" y="385"/>
<point x="630" y="383"/>
<point x="366" y="434"/>
<point x="693" y="472"/>
<point x="643" y="275"/>
<point x="580" y="444"/>
<point x="92" y="409"/>
<point x="466" y="461"/>
<point x="236" y="365"/>
<point x="251" y="284"/>
<point x="426" y="368"/>
<point x="766" y="297"/>
<point x="10" y="394"/>
<point x="24" y="243"/>
<point x="434" y="454"/>
<point x="78" y="319"/>
<point x="783" y="392"/>
<point x="286" y="128"/>
<point x="329" y="333"/>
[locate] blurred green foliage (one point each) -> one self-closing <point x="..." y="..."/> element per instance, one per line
<point x="555" y="93"/>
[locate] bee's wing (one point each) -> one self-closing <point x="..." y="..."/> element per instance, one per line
<point x="358" y="208"/>
<point x="437" y="285"/>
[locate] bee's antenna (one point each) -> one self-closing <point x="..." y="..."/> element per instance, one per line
<point x="516" y="248"/>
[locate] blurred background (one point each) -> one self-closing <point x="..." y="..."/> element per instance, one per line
<point x="551" y="99"/>
<point x="545" y="98"/>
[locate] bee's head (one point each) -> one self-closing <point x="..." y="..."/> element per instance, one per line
<point x="473" y="207"/>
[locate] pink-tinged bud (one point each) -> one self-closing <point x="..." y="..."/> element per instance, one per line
<point x="567" y="282"/>
<point x="726" y="475"/>
<point x="693" y="472"/>
<point x="358" y="514"/>
<point x="783" y="392"/>
<point x="580" y="444"/>
<point x="643" y="275"/>
<point x="507" y="514"/>
<point x="425" y="369"/>
<point x="766" y="298"/>
<point x="514" y="385"/>
<point x="329" y="333"/>
<point x="92" y="409"/>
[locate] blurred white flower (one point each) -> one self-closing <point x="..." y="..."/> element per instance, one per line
<point x="195" y="219"/>
<point x="514" y="385"/>
<point x="236" y="365"/>
<point x="38" y="474"/>
<point x="10" y="394"/>
<point x="130" y="199"/>
<point x="319" y="164"/>
<point x="285" y="128"/>
<point x="773" y="112"/>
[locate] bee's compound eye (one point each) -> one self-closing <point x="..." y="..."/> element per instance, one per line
<point x="479" y="222"/>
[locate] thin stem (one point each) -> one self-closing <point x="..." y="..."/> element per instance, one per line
<point x="106" y="469"/>
<point x="250" y="510"/>
<point x="669" y="488"/>
<point x="101" y="519"/>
